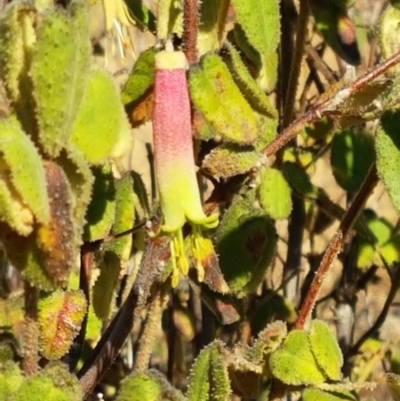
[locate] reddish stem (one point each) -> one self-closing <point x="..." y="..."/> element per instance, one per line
<point x="190" y="24"/>
<point x="322" y="109"/>
<point x="335" y="246"/>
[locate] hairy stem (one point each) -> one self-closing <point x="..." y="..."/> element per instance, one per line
<point x="155" y="255"/>
<point x="146" y="342"/>
<point x="190" y="23"/>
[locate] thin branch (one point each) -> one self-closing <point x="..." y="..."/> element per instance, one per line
<point x="328" y="107"/>
<point x="319" y="64"/>
<point x="301" y="33"/>
<point x="335" y="246"/>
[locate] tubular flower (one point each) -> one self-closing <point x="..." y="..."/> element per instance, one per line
<point x="174" y="162"/>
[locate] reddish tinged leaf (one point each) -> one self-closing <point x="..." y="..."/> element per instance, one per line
<point x="60" y="318"/>
<point x="56" y="238"/>
<point x="140" y="111"/>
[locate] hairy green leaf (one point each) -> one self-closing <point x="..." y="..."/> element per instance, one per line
<point x="212" y="24"/>
<point x="258" y="100"/>
<point x="101" y="211"/>
<point x="17" y="41"/>
<point x="11" y="379"/>
<point x="389" y="35"/>
<point x="274" y="194"/>
<point x="141" y="77"/>
<point x="124" y="217"/>
<point x="217" y="97"/>
<point x="325" y="349"/>
<point x="228" y="160"/>
<point x="99" y="123"/>
<point x="294" y="362"/>
<point x="245" y="242"/>
<point x="261" y="23"/>
<point x="104" y="289"/>
<point x="387" y="145"/>
<point x="209" y="376"/>
<point x="267" y="341"/>
<point x="22" y="171"/>
<point x="314" y="394"/>
<point x="58" y="81"/>
<point x="53" y="383"/>
<point x="351" y="157"/>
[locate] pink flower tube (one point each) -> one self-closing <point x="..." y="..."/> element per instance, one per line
<point x="174" y="160"/>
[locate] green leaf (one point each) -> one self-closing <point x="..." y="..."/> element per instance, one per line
<point x="148" y="386"/>
<point x="261" y="24"/>
<point x="22" y="172"/>
<point x="81" y="179"/>
<point x="389" y="35"/>
<point x="141" y="77"/>
<point x="267" y="341"/>
<point x="258" y="100"/>
<point x="60" y="317"/>
<point x="209" y="376"/>
<point x="124" y="217"/>
<point x="216" y="96"/>
<point x="144" y="18"/>
<point x="53" y="383"/>
<point x="139" y="387"/>
<point x="299" y="179"/>
<point x="17" y="40"/>
<point x="212" y="24"/>
<point x="11" y="379"/>
<point x="104" y="289"/>
<point x="99" y="124"/>
<point x="101" y="211"/>
<point x="314" y="394"/>
<point x="46" y="257"/>
<point x="229" y="160"/>
<point x="391" y="250"/>
<point x="351" y="157"/>
<point x="58" y="81"/>
<point x="337" y="29"/>
<point x="199" y="385"/>
<point x="325" y="349"/>
<point x="220" y="388"/>
<point x="387" y="145"/>
<point x="274" y="194"/>
<point x="245" y="242"/>
<point x="294" y="363"/>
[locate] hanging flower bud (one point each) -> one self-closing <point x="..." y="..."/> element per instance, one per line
<point x="174" y="159"/>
